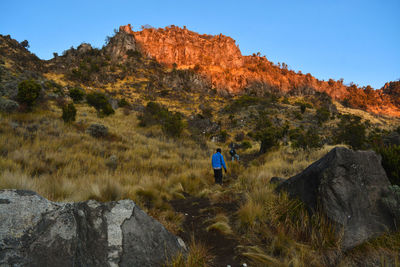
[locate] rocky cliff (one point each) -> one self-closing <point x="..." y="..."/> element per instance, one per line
<point x="219" y="59"/>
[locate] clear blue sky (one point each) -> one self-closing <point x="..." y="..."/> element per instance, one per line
<point x="355" y="40"/>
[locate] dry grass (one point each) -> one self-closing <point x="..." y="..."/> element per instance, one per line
<point x="198" y="256"/>
<point x="63" y="163"/>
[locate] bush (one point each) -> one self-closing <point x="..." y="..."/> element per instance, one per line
<point x="391" y="162"/>
<point x="303" y="108"/>
<point x="97" y="130"/>
<point x="123" y="103"/>
<point x="269" y="138"/>
<point x="69" y="113"/>
<point x="351" y="132"/>
<point x="28" y="92"/>
<point x="173" y="125"/>
<point x="323" y="114"/>
<point x="7" y="105"/>
<point x="76" y="94"/>
<point x="245" y="145"/>
<point x="305" y="140"/>
<point x="100" y="102"/>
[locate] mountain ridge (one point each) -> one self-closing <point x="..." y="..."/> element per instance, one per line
<point x="219" y="59"/>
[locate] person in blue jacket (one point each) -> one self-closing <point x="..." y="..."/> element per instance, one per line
<point x="218" y="163"/>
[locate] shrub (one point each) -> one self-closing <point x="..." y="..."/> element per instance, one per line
<point x="123" y="103"/>
<point x="303" y="108"/>
<point x="245" y="145"/>
<point x="391" y="162"/>
<point x="7" y="105"/>
<point x="351" y="132"/>
<point x="28" y="92"/>
<point x="305" y="140"/>
<point x="97" y="130"/>
<point x="323" y="114"/>
<point x="269" y="138"/>
<point x="68" y="113"/>
<point x="173" y="125"/>
<point x="100" y="102"/>
<point x="76" y="94"/>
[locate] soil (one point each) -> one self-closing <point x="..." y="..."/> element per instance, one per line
<point x="198" y="212"/>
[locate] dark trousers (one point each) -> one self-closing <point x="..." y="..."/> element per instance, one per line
<point x="218" y="176"/>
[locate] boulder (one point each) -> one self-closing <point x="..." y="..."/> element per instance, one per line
<point x="276" y="180"/>
<point x="346" y="186"/>
<point x="37" y="232"/>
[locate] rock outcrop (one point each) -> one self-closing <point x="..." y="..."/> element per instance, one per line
<point x="38" y="232"/>
<point x="119" y="45"/>
<point x="347" y="186"/>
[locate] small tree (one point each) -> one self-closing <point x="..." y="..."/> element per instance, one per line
<point x="68" y="113"/>
<point x="28" y="92"/>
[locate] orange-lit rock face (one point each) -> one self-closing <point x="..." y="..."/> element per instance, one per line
<point x="219" y="59"/>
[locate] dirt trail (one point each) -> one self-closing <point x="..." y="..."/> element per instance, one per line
<point x="198" y="212"/>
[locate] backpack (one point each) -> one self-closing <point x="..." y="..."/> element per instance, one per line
<point x="232" y="152"/>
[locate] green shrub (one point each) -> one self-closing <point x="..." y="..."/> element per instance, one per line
<point x="305" y="140"/>
<point x="323" y="114"/>
<point x="245" y="145"/>
<point x="351" y="132"/>
<point x="269" y="138"/>
<point x="100" y="102"/>
<point x="28" y="92"/>
<point x="223" y="136"/>
<point x="173" y="125"/>
<point x="123" y="103"/>
<point x="69" y="113"/>
<point x="303" y="108"/>
<point x="76" y="94"/>
<point x="391" y="162"/>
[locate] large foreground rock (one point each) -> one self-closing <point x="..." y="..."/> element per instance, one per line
<point x="38" y="232"/>
<point x="347" y="186"/>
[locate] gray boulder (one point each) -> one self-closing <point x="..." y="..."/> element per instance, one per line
<point x="347" y="186"/>
<point x="37" y="232"/>
<point x="97" y="130"/>
<point x="7" y="105"/>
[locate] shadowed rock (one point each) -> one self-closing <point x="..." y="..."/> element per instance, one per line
<point x="347" y="186"/>
<point x="38" y="232"/>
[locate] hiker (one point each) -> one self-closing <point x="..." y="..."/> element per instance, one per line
<point x="233" y="153"/>
<point x="218" y="163"/>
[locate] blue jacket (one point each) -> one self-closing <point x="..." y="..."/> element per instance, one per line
<point x="217" y="161"/>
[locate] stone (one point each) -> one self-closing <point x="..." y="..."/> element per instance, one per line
<point x="276" y="180"/>
<point x="97" y="130"/>
<point x="7" y="105"/>
<point x="347" y="187"/>
<point x="37" y="232"/>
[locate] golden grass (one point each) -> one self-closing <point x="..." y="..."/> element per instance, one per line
<point x="198" y="256"/>
<point x="221" y="224"/>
